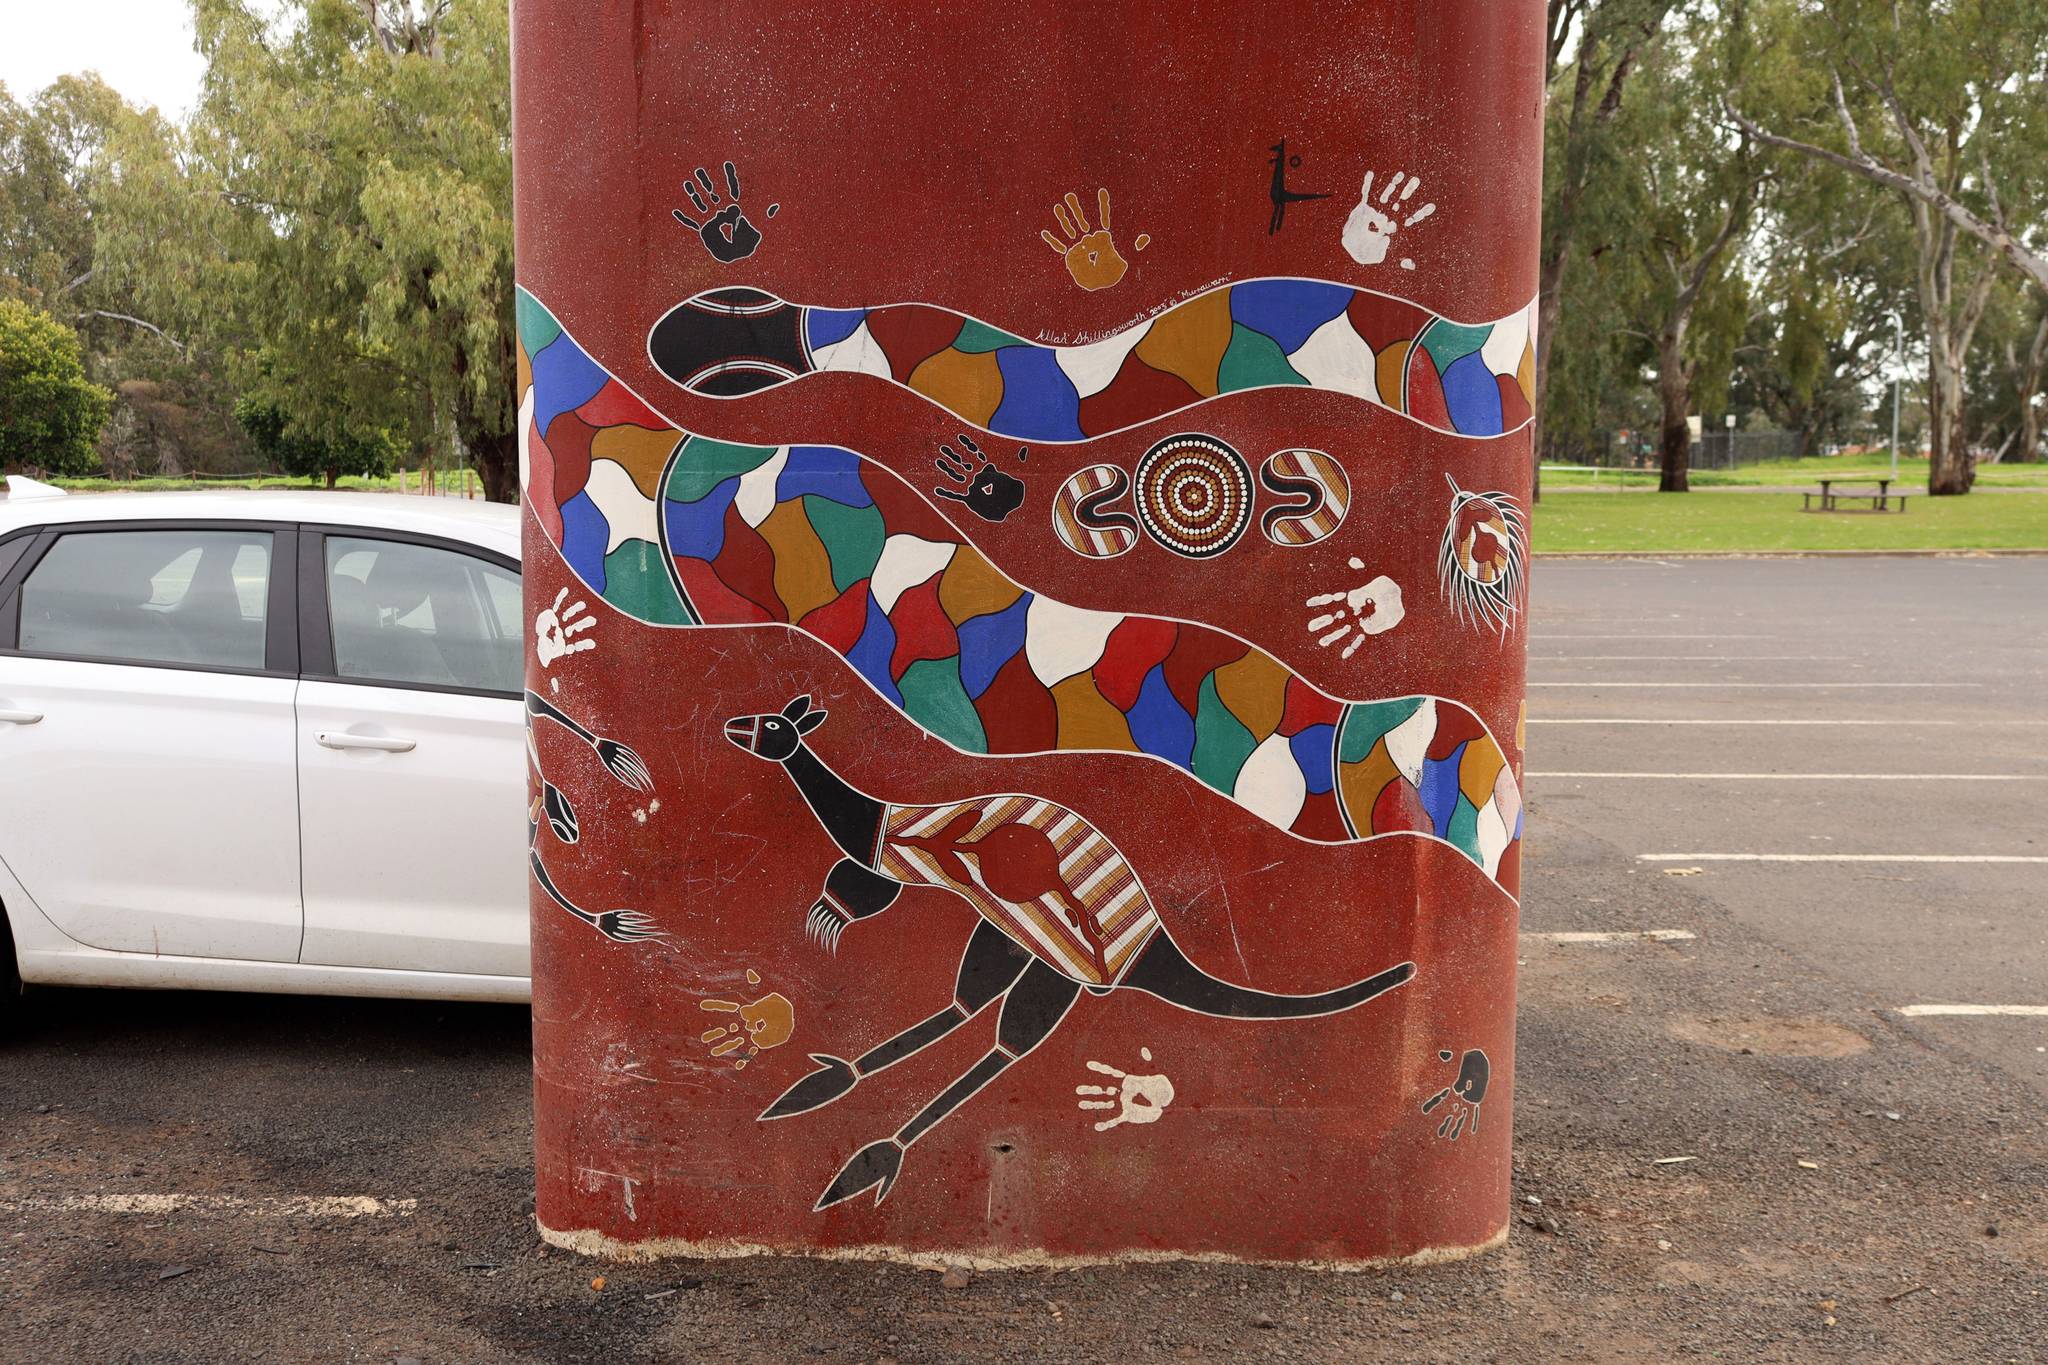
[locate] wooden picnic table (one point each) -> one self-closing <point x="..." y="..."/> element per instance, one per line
<point x="1880" y="501"/>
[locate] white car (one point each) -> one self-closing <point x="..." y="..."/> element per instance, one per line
<point x="262" y="741"/>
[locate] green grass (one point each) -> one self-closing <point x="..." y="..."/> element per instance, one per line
<point x="1802" y="474"/>
<point x="1664" y="522"/>
<point x="348" y="484"/>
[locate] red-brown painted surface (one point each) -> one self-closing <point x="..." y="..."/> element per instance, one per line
<point x="1146" y="630"/>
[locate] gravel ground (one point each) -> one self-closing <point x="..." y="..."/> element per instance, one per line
<point x="1916" y="1234"/>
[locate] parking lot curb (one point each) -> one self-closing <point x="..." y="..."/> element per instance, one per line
<point x="2033" y="552"/>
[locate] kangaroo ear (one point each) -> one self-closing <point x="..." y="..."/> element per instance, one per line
<point x="811" y="722"/>
<point x="796" y="707"/>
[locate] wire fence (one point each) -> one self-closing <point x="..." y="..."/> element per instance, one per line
<point x="1626" y="449"/>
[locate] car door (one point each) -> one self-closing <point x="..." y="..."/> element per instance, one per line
<point x="148" y="780"/>
<point x="411" y="739"/>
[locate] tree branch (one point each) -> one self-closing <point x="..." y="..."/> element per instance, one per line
<point x="135" y="322"/>
<point x="1925" y="193"/>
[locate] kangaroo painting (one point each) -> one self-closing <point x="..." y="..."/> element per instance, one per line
<point x="1061" y="912"/>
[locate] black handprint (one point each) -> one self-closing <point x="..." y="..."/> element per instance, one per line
<point x="991" y="494"/>
<point x="726" y="233"/>
<point x="1464" y="1095"/>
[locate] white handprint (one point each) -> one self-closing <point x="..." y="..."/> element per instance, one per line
<point x="1138" y="1099"/>
<point x="553" y="627"/>
<point x="1371" y="228"/>
<point x="1370" y="609"/>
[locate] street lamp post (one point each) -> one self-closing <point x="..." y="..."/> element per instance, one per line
<point x="1898" y="376"/>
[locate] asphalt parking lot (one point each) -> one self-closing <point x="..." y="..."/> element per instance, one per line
<point x="1777" y="809"/>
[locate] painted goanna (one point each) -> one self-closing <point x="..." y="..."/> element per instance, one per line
<point x="620" y="926"/>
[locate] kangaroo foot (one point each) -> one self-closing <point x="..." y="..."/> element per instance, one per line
<point x="833" y="1078"/>
<point x="874" y="1167"/>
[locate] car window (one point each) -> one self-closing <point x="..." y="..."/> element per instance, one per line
<point x="417" y="614"/>
<point x="158" y="596"/>
<point x="11" y="550"/>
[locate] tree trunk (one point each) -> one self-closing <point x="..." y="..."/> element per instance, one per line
<point x="1674" y="390"/>
<point x="1549" y="306"/>
<point x="2029" y="386"/>
<point x="497" y="462"/>
<point x="332" y="475"/>
<point x="1950" y="466"/>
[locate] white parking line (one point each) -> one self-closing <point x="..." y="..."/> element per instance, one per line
<point x="1652" y="720"/>
<point x="1821" y="777"/>
<point x="286" y="1206"/>
<point x="1811" y="686"/>
<point x="1924" y="1011"/>
<point x="1613" y="936"/>
<point x="1838" y="858"/>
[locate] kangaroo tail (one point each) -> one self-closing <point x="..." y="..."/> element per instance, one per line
<point x="1163" y="970"/>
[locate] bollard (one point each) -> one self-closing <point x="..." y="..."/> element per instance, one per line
<point x="1027" y="539"/>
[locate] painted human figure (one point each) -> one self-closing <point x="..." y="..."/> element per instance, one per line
<point x="1061" y="911"/>
<point x="1279" y="193"/>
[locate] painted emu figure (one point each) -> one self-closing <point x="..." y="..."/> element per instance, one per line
<point x="1061" y="911"/>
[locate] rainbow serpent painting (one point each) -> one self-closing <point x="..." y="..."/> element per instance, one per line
<point x="679" y="530"/>
<point x="1470" y="380"/>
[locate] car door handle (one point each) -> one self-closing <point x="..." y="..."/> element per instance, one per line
<point x="331" y="739"/>
<point x="20" y="717"/>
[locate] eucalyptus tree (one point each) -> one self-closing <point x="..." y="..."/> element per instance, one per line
<point x="1694" y="202"/>
<point x="1592" y="49"/>
<point x="336" y="218"/>
<point x="1945" y="109"/>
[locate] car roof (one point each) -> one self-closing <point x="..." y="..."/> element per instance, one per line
<point x="493" y="526"/>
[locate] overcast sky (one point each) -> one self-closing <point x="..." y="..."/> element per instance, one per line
<point x="143" y="48"/>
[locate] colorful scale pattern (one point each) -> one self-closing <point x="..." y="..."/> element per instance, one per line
<point x="820" y="539"/>
<point x="925" y="845"/>
<point x="1469" y="380"/>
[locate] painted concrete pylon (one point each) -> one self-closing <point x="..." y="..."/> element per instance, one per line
<point x="1027" y="535"/>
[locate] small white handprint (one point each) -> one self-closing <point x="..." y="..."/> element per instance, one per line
<point x="1372" y="608"/>
<point x="1137" y="1099"/>
<point x="1371" y="227"/>
<point x="553" y="627"/>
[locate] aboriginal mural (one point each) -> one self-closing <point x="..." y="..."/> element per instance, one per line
<point x="1467" y="379"/>
<point x="678" y="529"/>
<point x="1027" y="589"/>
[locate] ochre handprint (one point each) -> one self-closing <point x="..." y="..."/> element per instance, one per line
<point x="1371" y="227"/>
<point x="1091" y="257"/>
<point x="726" y="233"/>
<point x="763" y="1024"/>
